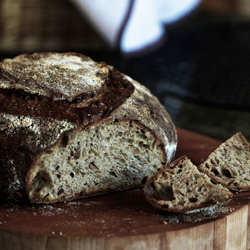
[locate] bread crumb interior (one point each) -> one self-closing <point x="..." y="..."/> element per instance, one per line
<point x="229" y="164"/>
<point x="184" y="188"/>
<point x="99" y="159"/>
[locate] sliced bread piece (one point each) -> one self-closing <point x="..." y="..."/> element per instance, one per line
<point x="229" y="164"/>
<point x="182" y="188"/>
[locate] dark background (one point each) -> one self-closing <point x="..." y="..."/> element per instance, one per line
<point x="201" y="74"/>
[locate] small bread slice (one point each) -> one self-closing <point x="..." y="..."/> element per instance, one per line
<point x="180" y="187"/>
<point x="229" y="164"/>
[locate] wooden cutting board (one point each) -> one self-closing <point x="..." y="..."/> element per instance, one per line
<point x="125" y="220"/>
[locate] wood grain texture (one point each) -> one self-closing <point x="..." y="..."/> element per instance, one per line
<point x="124" y="220"/>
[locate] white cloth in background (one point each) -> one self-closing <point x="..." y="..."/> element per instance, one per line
<point x="133" y="25"/>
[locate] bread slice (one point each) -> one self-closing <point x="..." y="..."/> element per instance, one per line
<point x="229" y="164"/>
<point x="72" y="128"/>
<point x="180" y="187"/>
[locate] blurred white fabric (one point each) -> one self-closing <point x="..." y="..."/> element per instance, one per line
<point x="133" y="25"/>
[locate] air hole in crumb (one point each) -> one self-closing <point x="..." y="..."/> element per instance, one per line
<point x="212" y="161"/>
<point x="112" y="173"/>
<point x="143" y="181"/>
<point x="122" y="161"/>
<point x="152" y="114"/>
<point x="167" y="193"/>
<point x="46" y="195"/>
<point x="72" y="175"/>
<point x="196" y="176"/>
<point x="93" y="166"/>
<point x="64" y="141"/>
<point x="60" y="192"/>
<point x="179" y="171"/>
<point x="41" y="180"/>
<point x="130" y="141"/>
<point x="215" y="171"/>
<point x="193" y="199"/>
<point x="212" y="182"/>
<point x="142" y="131"/>
<point x="92" y="95"/>
<point x="217" y="160"/>
<point x="57" y="167"/>
<point x="224" y="150"/>
<point x="77" y="153"/>
<point x="226" y="172"/>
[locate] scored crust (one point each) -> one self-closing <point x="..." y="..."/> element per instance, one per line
<point x="229" y="164"/>
<point x="180" y="187"/>
<point x="39" y="116"/>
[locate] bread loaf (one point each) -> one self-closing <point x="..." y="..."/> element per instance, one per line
<point x="180" y="187"/>
<point x="229" y="164"/>
<point x="71" y="128"/>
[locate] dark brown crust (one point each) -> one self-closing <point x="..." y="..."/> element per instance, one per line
<point x="84" y="109"/>
<point x="220" y="180"/>
<point x="21" y="145"/>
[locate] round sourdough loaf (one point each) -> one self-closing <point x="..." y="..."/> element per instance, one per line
<point x="71" y="128"/>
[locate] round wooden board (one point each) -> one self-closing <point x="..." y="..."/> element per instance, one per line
<point x="125" y="220"/>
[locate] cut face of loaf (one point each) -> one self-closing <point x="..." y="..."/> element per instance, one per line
<point x="102" y="158"/>
<point x="182" y="188"/>
<point x="229" y="164"/>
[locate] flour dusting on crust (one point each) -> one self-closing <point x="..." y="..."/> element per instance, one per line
<point x="60" y="76"/>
